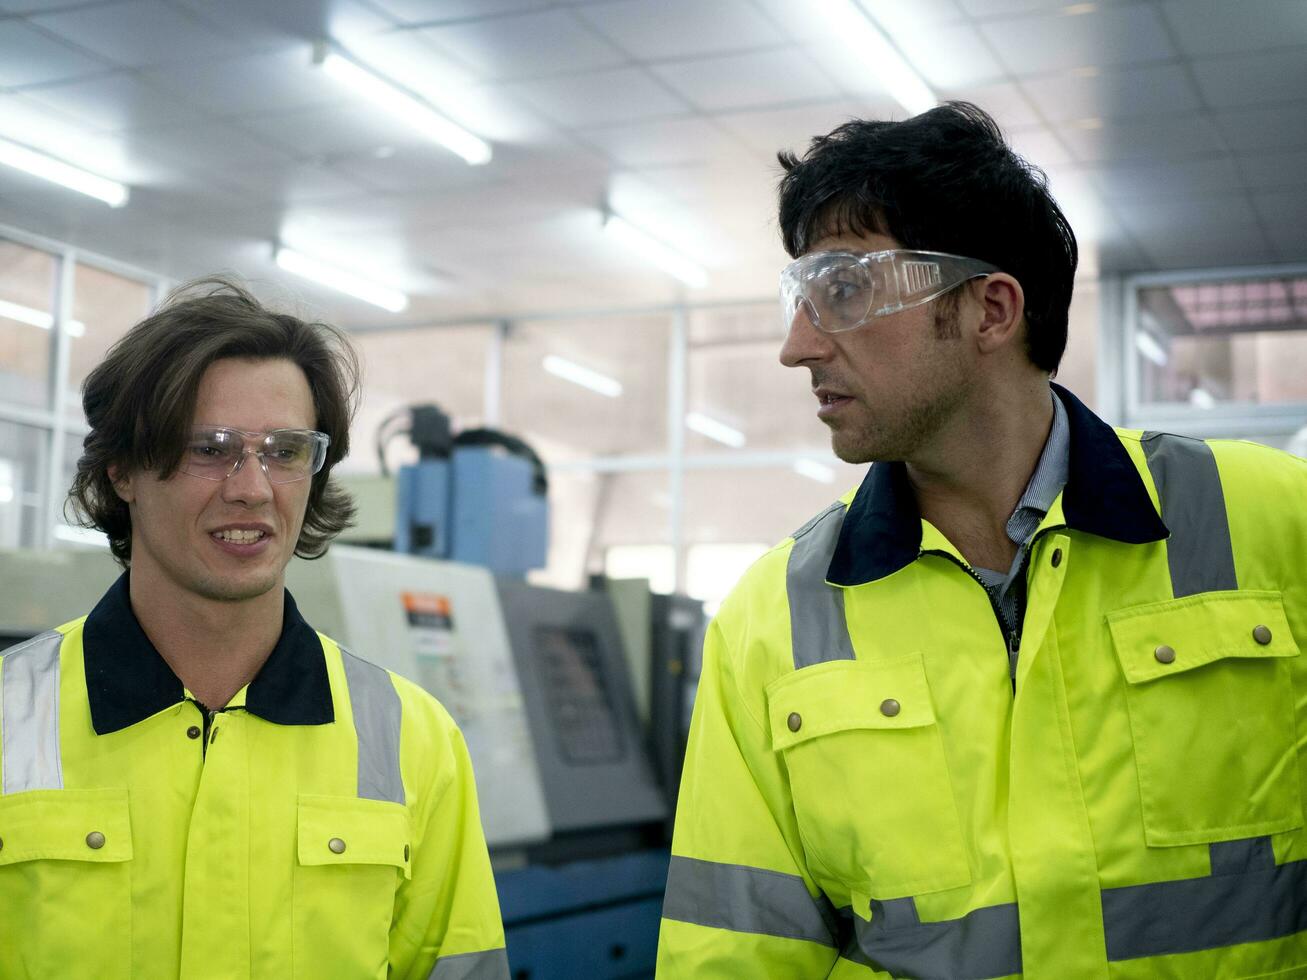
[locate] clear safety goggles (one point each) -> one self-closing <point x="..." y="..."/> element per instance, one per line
<point x="843" y="290"/>
<point x="214" y="452"/>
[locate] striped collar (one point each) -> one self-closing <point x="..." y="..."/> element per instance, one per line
<point x="1104" y="496"/>
<point x="127" y="681"/>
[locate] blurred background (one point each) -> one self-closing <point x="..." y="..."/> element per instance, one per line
<point x="556" y="220"/>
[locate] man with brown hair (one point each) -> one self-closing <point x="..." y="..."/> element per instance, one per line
<point x="192" y="781"/>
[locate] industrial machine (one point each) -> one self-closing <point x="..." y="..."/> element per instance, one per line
<point x="479" y="496"/>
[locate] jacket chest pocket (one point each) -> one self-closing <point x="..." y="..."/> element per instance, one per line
<point x="1210" y="694"/>
<point x="65" y="883"/>
<point x="870" y="783"/>
<point x="353" y="854"/>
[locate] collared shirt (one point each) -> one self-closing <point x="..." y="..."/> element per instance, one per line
<point x="128" y="681"/>
<point x="1008" y="591"/>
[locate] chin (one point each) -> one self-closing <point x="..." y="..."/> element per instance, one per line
<point x="237" y="588"/>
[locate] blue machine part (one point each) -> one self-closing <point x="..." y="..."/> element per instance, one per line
<point x="422" y="509"/>
<point x="594" y="919"/>
<point x="498" y="520"/>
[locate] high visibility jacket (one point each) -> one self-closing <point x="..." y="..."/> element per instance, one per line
<point x="868" y="791"/>
<point x="324" y="824"/>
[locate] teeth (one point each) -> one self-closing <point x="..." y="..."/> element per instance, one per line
<point x="239" y="537"/>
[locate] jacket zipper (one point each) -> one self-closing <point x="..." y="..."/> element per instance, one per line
<point x="1011" y="642"/>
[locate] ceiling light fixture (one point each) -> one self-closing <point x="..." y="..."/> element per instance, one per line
<point x="404" y="105"/>
<point x="561" y="367"/>
<point x="340" y="280"/>
<point x="721" y="432"/>
<point x="814" y="470"/>
<point x="25" y="314"/>
<point x="654" y="251"/>
<point x="48" y="168"/>
<point x="859" y="30"/>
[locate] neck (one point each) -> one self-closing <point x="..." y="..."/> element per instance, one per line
<point x="215" y="648"/>
<point x="969" y="480"/>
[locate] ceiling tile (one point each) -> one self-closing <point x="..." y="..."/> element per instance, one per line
<point x="29" y="57"/>
<point x="596" y="98"/>
<point x="1148" y="180"/>
<point x="274" y="81"/>
<point x="260" y="24"/>
<point x="524" y="45"/>
<point x="410" y="168"/>
<point x="780" y="76"/>
<point x="1266" y="77"/>
<point x="50" y="131"/>
<point x="662" y="141"/>
<point x="1153" y="137"/>
<point x="1053" y="42"/>
<point x="895" y="16"/>
<point x="436" y="11"/>
<point x="1005" y="101"/>
<point x="1204" y="27"/>
<point x="1284" y="214"/>
<point x="212" y="150"/>
<point x="43" y="6"/>
<point x="113" y="102"/>
<point x="1040" y="146"/>
<point x="1274" y="128"/>
<point x="985" y="9"/>
<point x="771" y="130"/>
<point x="949" y="55"/>
<point x="1274" y="170"/>
<point x="139" y="33"/>
<point x="682" y="28"/>
<point x="1150" y="90"/>
<point x="329" y="131"/>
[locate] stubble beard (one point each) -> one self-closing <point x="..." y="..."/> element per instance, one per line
<point x="220" y="590"/>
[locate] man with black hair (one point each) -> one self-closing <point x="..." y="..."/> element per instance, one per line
<point x="193" y="782"/>
<point x="1027" y="702"/>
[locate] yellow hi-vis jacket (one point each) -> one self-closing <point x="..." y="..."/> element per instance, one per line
<point x="868" y="792"/>
<point x="324" y="824"/>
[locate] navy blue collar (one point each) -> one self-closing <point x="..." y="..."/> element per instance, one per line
<point x="127" y="681"/>
<point x="1104" y="495"/>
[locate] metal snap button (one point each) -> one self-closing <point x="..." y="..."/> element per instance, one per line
<point x="405" y="852"/>
<point x="795" y="721"/>
<point x="193" y="731"/>
<point x="2" y="843"/>
<point x="95" y="840"/>
<point x="337" y="845"/>
<point x="1057" y="557"/>
<point x="889" y="707"/>
<point x="1262" y="635"/>
<point x="1164" y="654"/>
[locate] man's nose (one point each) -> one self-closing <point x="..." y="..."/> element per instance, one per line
<point x="249" y="482"/>
<point x="804" y="342"/>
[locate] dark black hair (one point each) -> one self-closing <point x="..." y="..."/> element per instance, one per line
<point x="942" y="181"/>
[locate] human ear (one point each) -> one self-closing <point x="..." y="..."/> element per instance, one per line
<point x="122" y="483"/>
<point x="1003" y="304"/>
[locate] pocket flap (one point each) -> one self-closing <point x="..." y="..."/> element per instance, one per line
<point x="1199" y="629"/>
<point x="349" y="830"/>
<point x="847" y="695"/>
<point x="65" y="825"/>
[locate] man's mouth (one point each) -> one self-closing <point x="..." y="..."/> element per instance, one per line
<point x="239" y="537"/>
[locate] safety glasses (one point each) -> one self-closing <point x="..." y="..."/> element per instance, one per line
<point x="842" y="290"/>
<point x="286" y="455"/>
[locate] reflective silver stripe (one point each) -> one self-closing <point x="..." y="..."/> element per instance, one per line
<point x="1234" y="857"/>
<point x="1193" y="508"/>
<point x="377" y="718"/>
<point x="490" y="964"/>
<point x="744" y="899"/>
<point x="29" y="715"/>
<point x="818" y="632"/>
<point x="982" y="944"/>
<point x="1169" y="917"/>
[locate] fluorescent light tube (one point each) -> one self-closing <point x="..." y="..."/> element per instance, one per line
<point x="407" y="108"/>
<point x="341" y="281"/>
<point x="560" y="367"/>
<point x="25" y="314"/>
<point x="856" y="27"/>
<point x="814" y="470"/>
<point x="1150" y="348"/>
<point x="652" y="250"/>
<point x="719" y="431"/>
<point x="48" y="168"/>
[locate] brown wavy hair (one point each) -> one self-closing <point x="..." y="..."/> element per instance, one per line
<point x="140" y="400"/>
